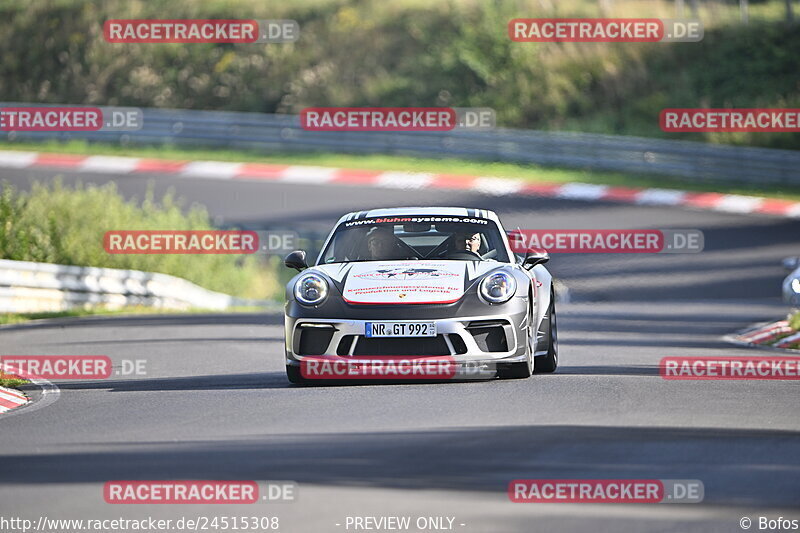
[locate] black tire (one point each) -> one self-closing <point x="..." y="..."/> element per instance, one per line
<point x="547" y="364"/>
<point x="295" y="376"/>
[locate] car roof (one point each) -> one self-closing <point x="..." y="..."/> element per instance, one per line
<point x="422" y="211"/>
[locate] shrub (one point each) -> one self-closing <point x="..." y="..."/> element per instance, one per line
<point x="55" y="224"/>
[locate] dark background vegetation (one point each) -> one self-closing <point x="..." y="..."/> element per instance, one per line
<point x="412" y="52"/>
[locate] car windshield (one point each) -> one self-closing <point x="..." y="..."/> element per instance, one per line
<point x="402" y="238"/>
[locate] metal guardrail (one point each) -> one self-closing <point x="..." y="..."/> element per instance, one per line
<point x="698" y="161"/>
<point x="27" y="287"/>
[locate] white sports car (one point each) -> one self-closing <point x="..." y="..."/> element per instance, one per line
<point x="426" y="281"/>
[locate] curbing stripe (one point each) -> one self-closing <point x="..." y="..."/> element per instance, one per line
<point x="102" y="163"/>
<point x="497" y="186"/>
<point x="739" y="204"/>
<point x="404" y="180"/>
<point x="50" y="393"/>
<point x="793" y="211"/>
<point x="160" y="166"/>
<point x="211" y="169"/>
<point x="260" y="171"/>
<point x="660" y="197"/>
<point x="726" y="203"/>
<point x="11" y="399"/>
<point x="757" y="335"/>
<point x="58" y="160"/>
<point x="11" y="394"/>
<point x="303" y="174"/>
<point x="9" y="159"/>
<point x="791" y="339"/>
<point x="582" y="191"/>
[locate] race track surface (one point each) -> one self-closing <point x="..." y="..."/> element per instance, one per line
<point x="215" y="403"/>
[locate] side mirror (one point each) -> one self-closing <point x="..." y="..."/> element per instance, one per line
<point x="535" y="256"/>
<point x="296" y="260"/>
<point x="791" y="263"/>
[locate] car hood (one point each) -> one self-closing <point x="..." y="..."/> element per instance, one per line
<point x="406" y="282"/>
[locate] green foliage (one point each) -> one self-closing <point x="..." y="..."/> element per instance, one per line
<point x="55" y="224"/>
<point x="405" y="53"/>
<point x="11" y="382"/>
<point x="794" y="321"/>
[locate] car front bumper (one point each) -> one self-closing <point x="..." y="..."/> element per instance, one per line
<point x="474" y="340"/>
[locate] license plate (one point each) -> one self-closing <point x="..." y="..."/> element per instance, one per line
<point x="400" y="329"/>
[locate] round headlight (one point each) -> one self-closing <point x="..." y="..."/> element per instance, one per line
<point x="310" y="289"/>
<point x="498" y="287"/>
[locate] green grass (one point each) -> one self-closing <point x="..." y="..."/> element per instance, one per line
<point x="11" y="382"/>
<point x="794" y="321"/>
<point x="532" y="173"/>
<point x="53" y="223"/>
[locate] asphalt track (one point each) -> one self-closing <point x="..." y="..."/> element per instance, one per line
<point x="215" y="403"/>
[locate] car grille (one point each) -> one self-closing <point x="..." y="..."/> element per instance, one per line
<point x="402" y="346"/>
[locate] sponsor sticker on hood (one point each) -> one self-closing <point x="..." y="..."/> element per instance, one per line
<point x="406" y="282"/>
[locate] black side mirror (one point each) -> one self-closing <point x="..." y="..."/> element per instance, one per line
<point x="296" y="260"/>
<point x="535" y="257"/>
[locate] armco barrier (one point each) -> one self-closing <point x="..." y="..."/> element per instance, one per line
<point x="267" y="132"/>
<point x="27" y="287"/>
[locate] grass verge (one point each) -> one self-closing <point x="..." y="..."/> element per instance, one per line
<point x="532" y="173"/>
<point x="11" y="382"/>
<point x="794" y="321"/>
<point x="53" y="223"/>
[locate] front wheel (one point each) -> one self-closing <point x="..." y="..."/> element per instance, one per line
<point x="546" y="364"/>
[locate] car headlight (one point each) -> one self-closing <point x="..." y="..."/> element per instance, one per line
<point x="796" y="285"/>
<point x="498" y="287"/>
<point x="310" y="289"/>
